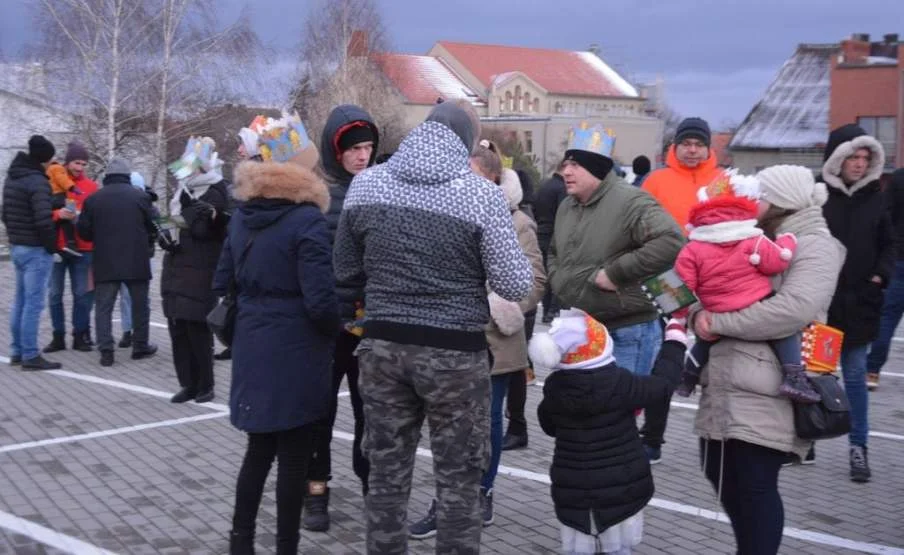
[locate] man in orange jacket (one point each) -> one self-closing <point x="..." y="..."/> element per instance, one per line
<point x="690" y="165"/>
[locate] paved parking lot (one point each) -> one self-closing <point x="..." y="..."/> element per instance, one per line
<point x="96" y="460"/>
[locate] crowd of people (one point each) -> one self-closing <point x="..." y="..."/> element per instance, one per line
<point x="416" y="278"/>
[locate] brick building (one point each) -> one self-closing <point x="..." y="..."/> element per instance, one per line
<point x="867" y="88"/>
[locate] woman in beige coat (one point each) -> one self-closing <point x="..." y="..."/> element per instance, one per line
<point x="746" y="429"/>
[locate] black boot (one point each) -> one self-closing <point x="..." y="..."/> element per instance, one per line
<point x="58" y="343"/>
<point x="241" y="543"/>
<point x="81" y="343"/>
<point x="287" y="546"/>
<point x="184" y="395"/>
<point x="514" y="441"/>
<point x="40" y="363"/>
<point x="106" y="358"/>
<point x="316" y="511"/>
<point x="126" y="340"/>
<point x="144" y="351"/>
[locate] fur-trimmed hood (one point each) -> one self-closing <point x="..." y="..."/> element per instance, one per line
<point x="275" y="180"/>
<point x="855" y="140"/>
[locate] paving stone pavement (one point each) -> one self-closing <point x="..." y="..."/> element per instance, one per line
<point x="87" y="466"/>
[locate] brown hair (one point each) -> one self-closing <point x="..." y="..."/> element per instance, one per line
<point x="773" y="218"/>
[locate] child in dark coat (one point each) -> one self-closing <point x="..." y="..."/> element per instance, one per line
<point x="601" y="478"/>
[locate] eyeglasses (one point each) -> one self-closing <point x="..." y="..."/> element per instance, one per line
<point x="692" y="143"/>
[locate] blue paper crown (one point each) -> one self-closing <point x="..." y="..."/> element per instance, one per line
<point x="596" y="139"/>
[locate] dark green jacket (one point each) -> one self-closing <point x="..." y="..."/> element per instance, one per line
<point x="623" y="230"/>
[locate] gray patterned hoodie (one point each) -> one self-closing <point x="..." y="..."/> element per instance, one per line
<point x="429" y="234"/>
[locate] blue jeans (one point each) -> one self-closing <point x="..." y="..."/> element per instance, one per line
<point x="853" y="370"/>
<point x="82" y="299"/>
<point x="892" y="311"/>
<point x="636" y="347"/>
<point x="33" y="265"/>
<point x="125" y="308"/>
<point x="500" y="387"/>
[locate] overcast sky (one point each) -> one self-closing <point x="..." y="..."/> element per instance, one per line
<point x="716" y="56"/>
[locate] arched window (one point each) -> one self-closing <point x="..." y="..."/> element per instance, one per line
<point x="508" y="101"/>
<point x="536" y="105"/>
<point x="527" y="103"/>
<point x="518" y="106"/>
<point x="558" y="108"/>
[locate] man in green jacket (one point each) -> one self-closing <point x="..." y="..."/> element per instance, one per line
<point x="608" y="238"/>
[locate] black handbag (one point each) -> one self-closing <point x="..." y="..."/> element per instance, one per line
<point x="221" y="320"/>
<point x="830" y="417"/>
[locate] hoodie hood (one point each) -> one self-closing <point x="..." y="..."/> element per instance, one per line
<point x="285" y="181"/>
<point x="22" y="165"/>
<point x="706" y="167"/>
<point x="511" y="188"/>
<point x="337" y="123"/>
<point x="843" y="143"/>
<point x="431" y="154"/>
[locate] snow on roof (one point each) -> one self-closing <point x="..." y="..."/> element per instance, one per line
<point x="881" y="61"/>
<point x="423" y="79"/>
<point x="794" y="111"/>
<point x="626" y="88"/>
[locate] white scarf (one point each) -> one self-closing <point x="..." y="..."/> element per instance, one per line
<point x="195" y="186"/>
<point x="726" y="232"/>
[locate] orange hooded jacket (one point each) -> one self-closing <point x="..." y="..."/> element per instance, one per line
<point x="675" y="186"/>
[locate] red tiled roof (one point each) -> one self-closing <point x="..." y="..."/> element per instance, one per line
<point x="557" y="71"/>
<point x="422" y="79"/>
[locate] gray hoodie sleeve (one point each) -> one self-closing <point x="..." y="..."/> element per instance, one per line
<point x="508" y="270"/>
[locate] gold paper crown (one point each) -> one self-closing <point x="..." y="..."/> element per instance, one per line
<point x="596" y="139"/>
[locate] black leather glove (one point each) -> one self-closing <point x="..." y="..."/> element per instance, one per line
<point x="166" y="241"/>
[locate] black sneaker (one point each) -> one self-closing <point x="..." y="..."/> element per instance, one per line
<point x="81" y="343"/>
<point x="654" y="454"/>
<point x="316" y="512"/>
<point x="106" y="358"/>
<point x="486" y="506"/>
<point x="205" y="396"/>
<point x="859" y="465"/>
<point x="425" y="527"/>
<point x="184" y="395"/>
<point x="40" y="363"/>
<point x="57" y="344"/>
<point x="126" y="341"/>
<point x="15" y="360"/>
<point x="811" y="456"/>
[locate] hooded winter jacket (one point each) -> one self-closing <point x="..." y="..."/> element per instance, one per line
<point x="857" y="215"/>
<point x="620" y="229"/>
<point x="675" y="186"/>
<point x="340" y="120"/>
<point x="27" y="212"/>
<point x="599" y="467"/>
<point x="287" y="317"/>
<point x="429" y="234"/>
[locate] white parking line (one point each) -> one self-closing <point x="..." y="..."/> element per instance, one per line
<point x="672" y="506"/>
<point x="111" y="432"/>
<point x="804" y="535"/>
<point x="48" y="537"/>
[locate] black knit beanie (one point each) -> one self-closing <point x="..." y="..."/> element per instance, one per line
<point x="40" y="149"/>
<point x="355" y="135"/>
<point x="596" y="164"/>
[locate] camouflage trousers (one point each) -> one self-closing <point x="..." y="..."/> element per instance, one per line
<point x="400" y="385"/>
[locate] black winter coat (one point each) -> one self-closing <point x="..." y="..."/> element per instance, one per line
<point x="351" y="291"/>
<point x="186" y="286"/>
<point x="27" y="212"/>
<point x="119" y="219"/>
<point x="546" y="204"/>
<point x="895" y="197"/>
<point x="858" y="216"/>
<point x="287" y="318"/>
<point x="599" y="465"/>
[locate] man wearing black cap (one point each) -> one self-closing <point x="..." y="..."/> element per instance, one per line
<point x="609" y="237"/>
<point x="641" y="168"/>
<point x="689" y="166"/>
<point x="119" y="220"/>
<point x="28" y="217"/>
<point x="348" y="146"/>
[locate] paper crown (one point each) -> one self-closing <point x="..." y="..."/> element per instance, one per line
<point x="200" y="153"/>
<point x="596" y="139"/>
<point x="282" y="139"/>
<point x="730" y="182"/>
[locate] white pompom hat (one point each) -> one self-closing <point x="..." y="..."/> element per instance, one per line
<point x="574" y="341"/>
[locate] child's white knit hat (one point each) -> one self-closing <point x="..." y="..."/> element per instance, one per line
<point x="574" y="341"/>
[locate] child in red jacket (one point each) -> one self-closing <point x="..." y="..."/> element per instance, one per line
<point x="728" y="263"/>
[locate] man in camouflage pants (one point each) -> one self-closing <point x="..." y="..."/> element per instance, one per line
<point x="429" y="235"/>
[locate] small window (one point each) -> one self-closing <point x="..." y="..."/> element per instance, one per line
<point x="884" y="129"/>
<point x="529" y="141"/>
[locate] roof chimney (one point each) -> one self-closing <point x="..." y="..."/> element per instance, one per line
<point x="891" y="38"/>
<point x="855" y="50"/>
<point x="594" y="48"/>
<point x="358" y="44"/>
